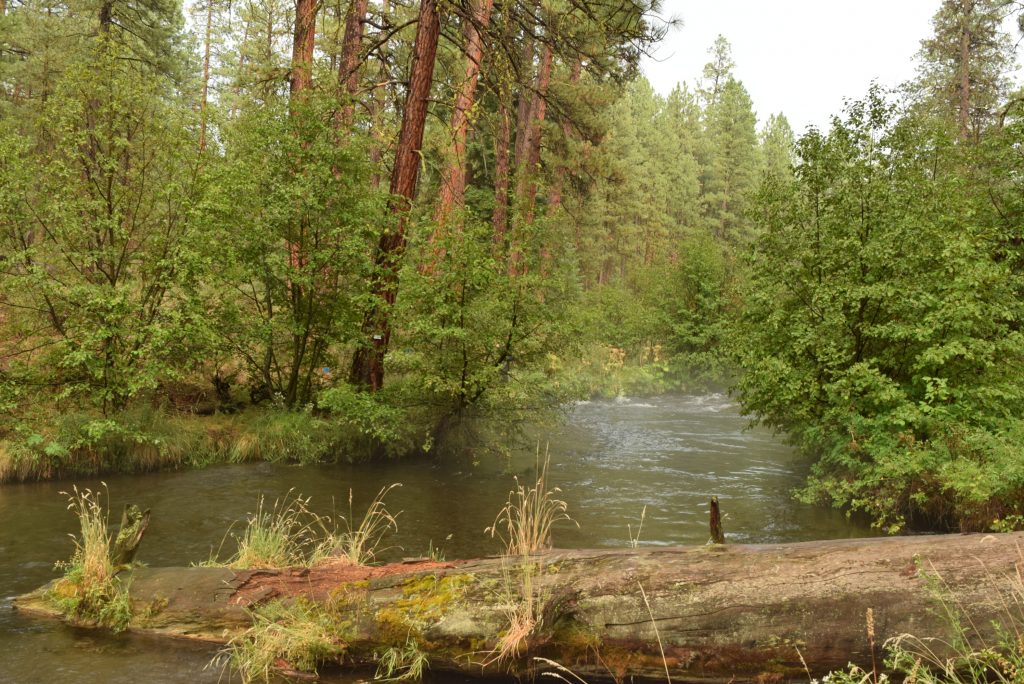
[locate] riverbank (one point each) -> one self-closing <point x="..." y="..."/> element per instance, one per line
<point x="136" y="441"/>
<point x="53" y="442"/>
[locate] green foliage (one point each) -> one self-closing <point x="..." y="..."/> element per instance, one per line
<point x="101" y="258"/>
<point x="474" y="341"/>
<point x="880" y="333"/>
<point x="293" y="222"/>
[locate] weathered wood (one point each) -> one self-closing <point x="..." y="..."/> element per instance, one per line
<point x="134" y="523"/>
<point x="724" y="613"/>
<point x="715" y="522"/>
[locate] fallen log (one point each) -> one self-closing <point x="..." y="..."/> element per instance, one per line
<point x="721" y="613"/>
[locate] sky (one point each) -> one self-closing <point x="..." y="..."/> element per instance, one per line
<point x="798" y="57"/>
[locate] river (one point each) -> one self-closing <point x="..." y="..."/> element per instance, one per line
<point x="610" y="459"/>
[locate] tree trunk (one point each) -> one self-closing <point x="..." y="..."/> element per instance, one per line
<point x="352" y="45"/>
<point x="453" y="175"/>
<point x="528" y="160"/>
<point x="555" y="194"/>
<point x="301" y="76"/>
<point x="527" y="178"/>
<point x="368" y="361"/>
<point x="204" y="105"/>
<point x="967" y="11"/>
<point x="725" y="613"/>
<point x="502" y="145"/>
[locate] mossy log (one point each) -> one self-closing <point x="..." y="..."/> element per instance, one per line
<point x="721" y="613"/>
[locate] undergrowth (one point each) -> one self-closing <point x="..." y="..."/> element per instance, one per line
<point x="967" y="655"/>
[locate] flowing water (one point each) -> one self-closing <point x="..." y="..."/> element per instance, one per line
<point x="610" y="460"/>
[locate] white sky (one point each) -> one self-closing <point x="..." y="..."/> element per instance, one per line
<point x="799" y="57"/>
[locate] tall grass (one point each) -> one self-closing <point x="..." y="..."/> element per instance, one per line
<point x="92" y="547"/>
<point x="290" y="534"/>
<point x="968" y="658"/>
<point x="144" y="438"/>
<point x="89" y="589"/>
<point x="965" y="657"/>
<point x="286" y="535"/>
<point x="524" y="526"/>
<point x="360" y="543"/>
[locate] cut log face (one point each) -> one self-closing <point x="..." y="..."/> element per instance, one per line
<point x="722" y="613"/>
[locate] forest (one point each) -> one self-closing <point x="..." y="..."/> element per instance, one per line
<point x="314" y="231"/>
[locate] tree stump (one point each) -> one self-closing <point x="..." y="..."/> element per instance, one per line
<point x="134" y="522"/>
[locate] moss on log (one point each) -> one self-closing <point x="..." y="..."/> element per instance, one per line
<point x="723" y="613"/>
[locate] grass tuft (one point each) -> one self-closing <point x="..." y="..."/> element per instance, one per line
<point x="360" y="543"/>
<point x="407" y="663"/>
<point x="89" y="590"/>
<point x="286" y="535"/>
<point x="295" y="635"/>
<point x="524" y="526"/>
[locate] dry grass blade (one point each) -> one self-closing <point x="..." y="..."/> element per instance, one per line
<point x="561" y="672"/>
<point x="634" y="540"/>
<point x="524" y="524"/>
<point x="359" y="544"/>
<point x="657" y="634"/>
<point x="92" y="548"/>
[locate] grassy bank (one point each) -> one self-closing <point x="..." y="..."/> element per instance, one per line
<point x="139" y="440"/>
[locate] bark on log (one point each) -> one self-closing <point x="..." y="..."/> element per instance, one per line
<point x="726" y="613"/>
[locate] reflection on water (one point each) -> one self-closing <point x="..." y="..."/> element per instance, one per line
<point x="611" y="459"/>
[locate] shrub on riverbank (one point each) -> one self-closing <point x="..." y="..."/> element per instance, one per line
<point x="882" y="329"/>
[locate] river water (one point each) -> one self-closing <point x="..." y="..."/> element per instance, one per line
<point x="611" y="459"/>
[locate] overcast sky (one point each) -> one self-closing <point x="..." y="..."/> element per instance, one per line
<point x="800" y="57"/>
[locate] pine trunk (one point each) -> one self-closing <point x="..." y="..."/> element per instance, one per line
<point x="204" y="105"/>
<point x="301" y="77"/>
<point x="453" y="175"/>
<point x="555" y="194"/>
<point x="368" y="361"/>
<point x="502" y="163"/>
<point x="352" y="45"/>
<point x="527" y="179"/>
<point x="967" y="10"/>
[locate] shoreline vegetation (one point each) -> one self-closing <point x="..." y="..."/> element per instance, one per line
<point x="191" y="430"/>
<point x="368" y="256"/>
